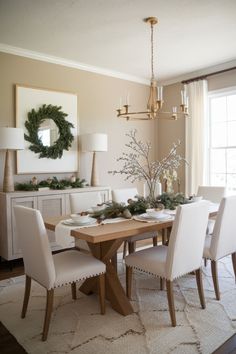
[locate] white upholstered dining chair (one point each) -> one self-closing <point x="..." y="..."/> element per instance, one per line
<point x="52" y="271"/>
<point x="212" y="193"/>
<point x="81" y="202"/>
<point x="222" y="242"/>
<point x="122" y="195"/>
<point x="84" y="201"/>
<point x="182" y="255"/>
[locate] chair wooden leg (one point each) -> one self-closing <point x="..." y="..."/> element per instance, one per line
<point x="131" y="247"/>
<point x="161" y="284"/>
<point x="101" y="278"/>
<point x="233" y="255"/>
<point x="215" y="279"/>
<point x="49" y="307"/>
<point x="26" y="296"/>
<point x="198" y="273"/>
<point x="154" y="241"/>
<point x="168" y="232"/>
<point x="170" y="297"/>
<point x="163" y="236"/>
<point x="205" y="262"/>
<point x="73" y="291"/>
<point x="129" y="274"/>
<point x="125" y="249"/>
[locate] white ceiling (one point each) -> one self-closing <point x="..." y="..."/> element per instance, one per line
<point x="109" y="34"/>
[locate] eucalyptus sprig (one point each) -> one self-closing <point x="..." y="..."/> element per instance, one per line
<point x="171" y="200"/>
<point x="112" y="210"/>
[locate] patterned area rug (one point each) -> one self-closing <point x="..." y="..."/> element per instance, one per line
<point x="78" y="327"/>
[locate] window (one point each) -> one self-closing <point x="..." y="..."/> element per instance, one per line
<point x="222" y="139"/>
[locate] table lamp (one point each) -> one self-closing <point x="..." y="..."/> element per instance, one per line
<point x="10" y="139"/>
<point x="94" y="143"/>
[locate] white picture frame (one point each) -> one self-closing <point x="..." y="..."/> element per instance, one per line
<point x="27" y="98"/>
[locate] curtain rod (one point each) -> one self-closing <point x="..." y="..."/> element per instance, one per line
<point x="202" y="77"/>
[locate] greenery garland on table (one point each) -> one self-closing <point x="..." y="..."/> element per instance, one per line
<point x="140" y="205"/>
<point x="53" y="183"/>
<point x="35" y="118"/>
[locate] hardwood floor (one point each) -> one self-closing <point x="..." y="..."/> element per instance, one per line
<point x="17" y="268"/>
<point x="229" y="347"/>
<point x="8" y="344"/>
<point x="11" y="269"/>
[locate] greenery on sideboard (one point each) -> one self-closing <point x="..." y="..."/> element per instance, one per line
<point x="51" y="183"/>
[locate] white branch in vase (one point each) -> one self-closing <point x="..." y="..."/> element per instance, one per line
<point x="137" y="164"/>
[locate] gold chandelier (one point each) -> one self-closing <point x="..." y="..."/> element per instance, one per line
<point x="155" y="101"/>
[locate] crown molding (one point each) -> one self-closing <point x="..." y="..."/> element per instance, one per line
<point x="69" y="63"/>
<point x="111" y="73"/>
<point x="202" y="72"/>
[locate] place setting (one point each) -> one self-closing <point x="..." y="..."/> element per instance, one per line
<point x="76" y="221"/>
<point x="94" y="216"/>
<point x="79" y="220"/>
<point x="153" y="215"/>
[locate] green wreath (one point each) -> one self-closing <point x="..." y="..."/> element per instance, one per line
<point x="35" y="118"/>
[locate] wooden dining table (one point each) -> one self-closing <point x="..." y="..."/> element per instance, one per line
<point x="104" y="241"/>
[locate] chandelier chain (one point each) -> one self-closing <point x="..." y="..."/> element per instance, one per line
<point x="152" y="52"/>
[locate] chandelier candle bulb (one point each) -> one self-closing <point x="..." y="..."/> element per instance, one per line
<point x="182" y="96"/>
<point x="174" y="109"/>
<point x="174" y="112"/>
<point x="159" y="93"/>
<point x="185" y="97"/>
<point x="187" y="101"/>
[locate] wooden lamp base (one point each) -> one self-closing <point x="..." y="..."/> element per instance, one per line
<point x="8" y="182"/>
<point x="94" y="173"/>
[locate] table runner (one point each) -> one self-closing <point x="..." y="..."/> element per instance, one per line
<point x="63" y="238"/>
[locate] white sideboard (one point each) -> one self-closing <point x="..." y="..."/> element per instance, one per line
<point x="49" y="202"/>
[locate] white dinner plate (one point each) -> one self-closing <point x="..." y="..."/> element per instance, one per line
<point x="147" y="218"/>
<point x="170" y="212"/>
<point x="161" y="216"/>
<point x="71" y="222"/>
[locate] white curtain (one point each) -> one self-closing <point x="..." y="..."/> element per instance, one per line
<point x="195" y="136"/>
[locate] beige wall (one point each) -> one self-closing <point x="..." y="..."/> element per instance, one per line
<point x="221" y="81"/>
<point x="98" y="99"/>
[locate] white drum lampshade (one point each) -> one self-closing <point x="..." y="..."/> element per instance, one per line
<point x="94" y="143"/>
<point x="10" y="139"/>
